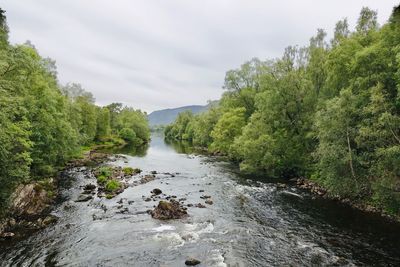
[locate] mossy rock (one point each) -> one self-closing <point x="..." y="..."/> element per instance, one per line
<point x="168" y="210"/>
<point x="110" y="196"/>
<point x="131" y="171"/>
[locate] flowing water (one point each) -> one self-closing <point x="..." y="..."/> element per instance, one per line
<point x="251" y="223"/>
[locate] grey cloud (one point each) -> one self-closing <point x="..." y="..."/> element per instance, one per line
<point x="160" y="54"/>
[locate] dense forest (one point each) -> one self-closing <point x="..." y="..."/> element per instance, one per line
<point x="329" y="111"/>
<point x="44" y="124"/>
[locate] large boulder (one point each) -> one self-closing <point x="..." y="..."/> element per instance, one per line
<point x="167" y="210"/>
<point x="29" y="200"/>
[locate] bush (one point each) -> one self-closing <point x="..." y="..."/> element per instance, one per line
<point x="128" y="135"/>
<point x="104" y="171"/>
<point x="112" y="140"/>
<point x="112" y="185"/>
<point x="101" y="179"/>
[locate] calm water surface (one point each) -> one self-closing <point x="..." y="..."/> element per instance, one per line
<point x="251" y="223"/>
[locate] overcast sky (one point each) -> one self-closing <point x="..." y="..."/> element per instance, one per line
<point x="154" y="54"/>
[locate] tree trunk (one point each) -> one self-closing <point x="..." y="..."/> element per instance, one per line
<point x="350" y="154"/>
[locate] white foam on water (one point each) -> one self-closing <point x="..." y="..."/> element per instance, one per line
<point x="209" y="228"/>
<point x="192" y="232"/>
<point x="216" y="258"/>
<point x="190" y="236"/>
<point x="163" y="228"/>
<point x="291" y="194"/>
<point x="170" y="239"/>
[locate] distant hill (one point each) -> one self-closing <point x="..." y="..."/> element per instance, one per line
<point x="167" y="116"/>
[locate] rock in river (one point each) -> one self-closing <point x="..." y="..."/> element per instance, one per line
<point x="83" y="198"/>
<point x="168" y="210"/>
<point x="156" y="191"/>
<point x="192" y="262"/>
<point x="89" y="187"/>
<point x="7" y="235"/>
<point x="29" y="200"/>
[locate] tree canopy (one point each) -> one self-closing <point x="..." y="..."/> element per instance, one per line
<point x="329" y="111"/>
<point x="44" y="124"/>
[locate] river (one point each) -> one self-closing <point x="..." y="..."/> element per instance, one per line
<point x="253" y="222"/>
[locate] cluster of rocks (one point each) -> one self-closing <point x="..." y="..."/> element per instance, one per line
<point x="118" y="174"/>
<point x="320" y="191"/>
<point x="29" y="209"/>
<point x="147" y="178"/>
<point x="311" y="186"/>
<point x="167" y="210"/>
<point x="171" y="208"/>
<point x="90" y="158"/>
<point x="88" y="191"/>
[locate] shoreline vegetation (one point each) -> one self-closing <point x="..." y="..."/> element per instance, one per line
<point x="44" y="126"/>
<point x="329" y="111"/>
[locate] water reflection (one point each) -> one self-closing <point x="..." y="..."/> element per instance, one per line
<point x="182" y="147"/>
<point x="131" y="150"/>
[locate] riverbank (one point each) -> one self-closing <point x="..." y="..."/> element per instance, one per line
<point x="320" y="191"/>
<point x="31" y="203"/>
<point x="302" y="183"/>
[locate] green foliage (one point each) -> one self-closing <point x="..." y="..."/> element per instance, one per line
<point x="330" y="112"/>
<point x="131" y="171"/>
<point x="101" y="179"/>
<point x="103" y="174"/>
<point x="103" y="123"/>
<point x="105" y="171"/>
<point x="129" y="124"/>
<point x="128" y="135"/>
<point x="181" y="129"/>
<point x="227" y="128"/>
<point x="43" y="124"/>
<point x="112" y="185"/>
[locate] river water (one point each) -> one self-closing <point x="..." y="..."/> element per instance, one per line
<point x="252" y="222"/>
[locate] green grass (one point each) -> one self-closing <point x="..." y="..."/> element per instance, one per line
<point x="112" y="185"/>
<point x="111" y="140"/>
<point x="131" y="171"/>
<point x="105" y="171"/>
<point x="101" y="179"/>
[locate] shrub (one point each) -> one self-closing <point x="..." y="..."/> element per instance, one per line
<point x="101" y="179"/>
<point x="112" y="185"/>
<point x="128" y="135"/>
<point x="104" y="171"/>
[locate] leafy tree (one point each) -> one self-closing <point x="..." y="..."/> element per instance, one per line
<point x="368" y="20"/>
<point x="43" y="124"/>
<point x="179" y="129"/>
<point x="103" y="123"/>
<point x="128" y="135"/>
<point x="227" y="128"/>
<point x="338" y="163"/>
<point x="135" y="120"/>
<point x="331" y="113"/>
<point x="341" y="32"/>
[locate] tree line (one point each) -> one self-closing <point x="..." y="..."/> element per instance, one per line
<point x="44" y="124"/>
<point x="329" y="111"/>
